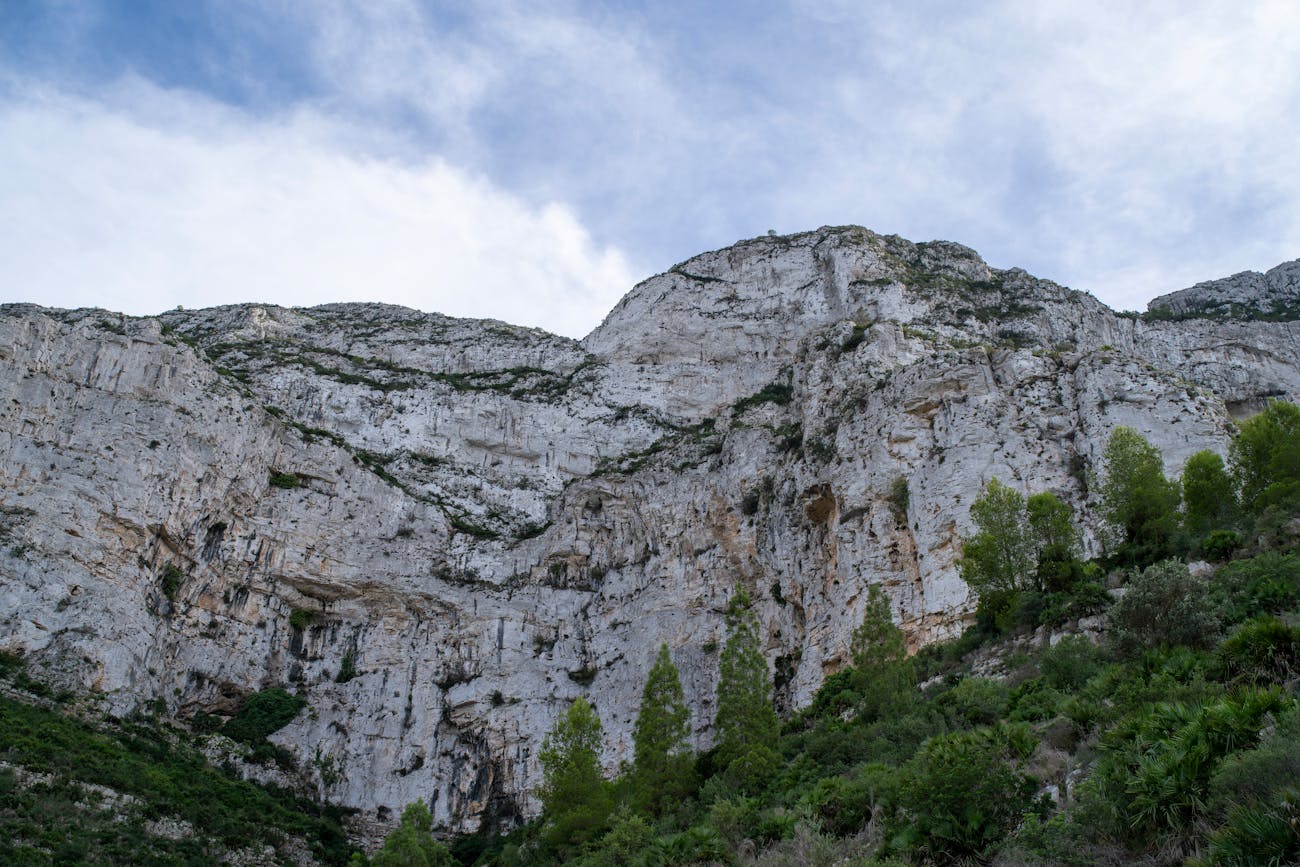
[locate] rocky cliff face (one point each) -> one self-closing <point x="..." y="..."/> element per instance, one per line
<point x="487" y="521"/>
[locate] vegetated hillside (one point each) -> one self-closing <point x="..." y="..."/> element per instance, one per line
<point x="1129" y="709"/>
<point x="439" y="533"/>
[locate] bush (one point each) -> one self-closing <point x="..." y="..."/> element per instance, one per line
<point x="1219" y="545"/>
<point x="962" y="793"/>
<point x="348" y="670"/>
<point x="977" y="700"/>
<point x="1262" y="834"/>
<point x="1034" y="701"/>
<point x="1266" y="584"/>
<point x="171" y="580"/>
<point x="1164" y="606"/>
<point x="262" y="714"/>
<point x="411" y="843"/>
<point x="1071" y="662"/>
<point x="841" y="806"/>
<point x="1156" y="773"/>
<point x="1263" y="650"/>
<point x="1256" y="776"/>
<point x="285" y="481"/>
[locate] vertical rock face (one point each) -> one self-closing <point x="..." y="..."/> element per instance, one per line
<point x="485" y="522"/>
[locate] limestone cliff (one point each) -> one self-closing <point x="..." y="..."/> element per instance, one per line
<point x="487" y="521"/>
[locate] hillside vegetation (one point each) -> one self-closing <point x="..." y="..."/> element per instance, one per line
<point x="1130" y="709"/>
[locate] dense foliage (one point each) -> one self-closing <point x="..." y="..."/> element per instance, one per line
<point x="52" y="813"/>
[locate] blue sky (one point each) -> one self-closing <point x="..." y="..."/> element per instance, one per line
<point x="531" y="161"/>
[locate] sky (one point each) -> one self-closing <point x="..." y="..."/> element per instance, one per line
<point x="531" y="161"/>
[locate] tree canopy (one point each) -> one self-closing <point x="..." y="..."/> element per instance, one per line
<point x="663" y="769"/>
<point x="1139" y="503"/>
<point x="746" y="720"/>
<point x="576" y="801"/>
<point x="1265" y="457"/>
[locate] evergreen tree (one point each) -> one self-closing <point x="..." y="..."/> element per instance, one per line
<point x="746" y="721"/>
<point x="576" y="800"/>
<point x="997" y="561"/>
<point x="411" y="843"/>
<point x="885" y="675"/>
<point x="1209" y="494"/>
<point x="1137" y="500"/>
<point x="663" y="770"/>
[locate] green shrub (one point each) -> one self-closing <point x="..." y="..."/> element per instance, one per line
<point x="1259" y="834"/>
<point x="286" y="481"/>
<point x="1266" y="584"/>
<point x="1158" y="763"/>
<point x="263" y="713"/>
<point x="411" y="843"/>
<point x="1258" y="775"/>
<point x="348" y="669"/>
<point x="1164" y="606"/>
<point x="963" y="793"/>
<point x="977" y="700"/>
<point x="1071" y="662"/>
<point x="1219" y="545"/>
<point x="1260" y="651"/>
<point x="842" y="806"/>
<point x="171" y="580"/>
<point x="301" y="618"/>
<point x="1034" y="701"/>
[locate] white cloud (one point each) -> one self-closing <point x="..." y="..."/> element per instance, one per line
<point x="1126" y="149"/>
<point x="140" y="200"/>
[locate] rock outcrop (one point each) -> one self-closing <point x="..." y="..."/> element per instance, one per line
<point x="441" y="531"/>
<point x="1249" y="295"/>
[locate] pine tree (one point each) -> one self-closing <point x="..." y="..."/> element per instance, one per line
<point x="663" y="770"/>
<point x="746" y="721"/>
<point x="885" y="675"/>
<point x="411" y="843"/>
<point x="576" y="800"/>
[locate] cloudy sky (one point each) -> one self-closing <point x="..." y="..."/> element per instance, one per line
<point x="530" y="161"/>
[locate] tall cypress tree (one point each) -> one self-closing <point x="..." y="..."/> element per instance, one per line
<point x="576" y="800"/>
<point x="885" y="675"/>
<point x="746" y="721"/>
<point x="663" y="771"/>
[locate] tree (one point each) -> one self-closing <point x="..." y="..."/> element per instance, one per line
<point x="1209" y="494"/>
<point x="998" y="557"/>
<point x="576" y="801"/>
<point x="1054" y="541"/>
<point x="1137" y="500"/>
<point x="1266" y="457"/>
<point x="885" y="675"/>
<point x="746" y="723"/>
<point x="411" y="844"/>
<point x="663" y="771"/>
